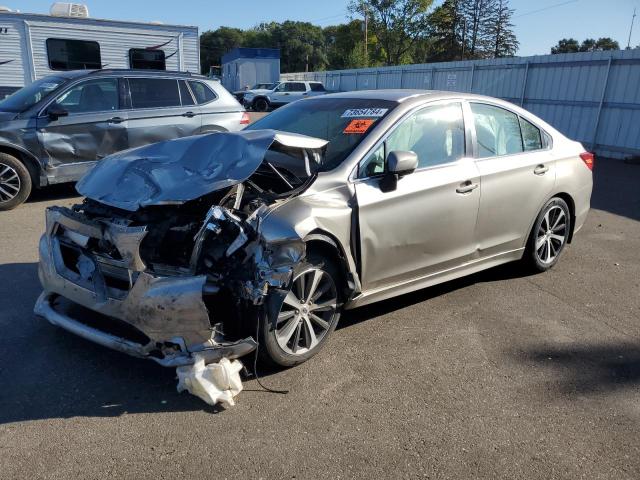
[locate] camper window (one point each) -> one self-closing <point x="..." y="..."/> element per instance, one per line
<point x="141" y="58"/>
<point x="73" y="54"/>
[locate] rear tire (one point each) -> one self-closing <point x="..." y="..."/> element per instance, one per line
<point x="15" y="182"/>
<point x="549" y="236"/>
<point x="261" y="105"/>
<point x="307" y="317"/>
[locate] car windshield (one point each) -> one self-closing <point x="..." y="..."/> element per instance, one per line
<point x="344" y="122"/>
<point x="28" y="96"/>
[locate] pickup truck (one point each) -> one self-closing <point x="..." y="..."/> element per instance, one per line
<point x="262" y="100"/>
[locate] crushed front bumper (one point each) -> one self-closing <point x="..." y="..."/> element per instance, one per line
<point x="166" y="315"/>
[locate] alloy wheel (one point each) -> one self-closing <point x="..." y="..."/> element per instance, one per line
<point x="307" y="313"/>
<point x="9" y="183"/>
<point x="551" y="235"/>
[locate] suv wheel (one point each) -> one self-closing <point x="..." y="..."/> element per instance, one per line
<point x="261" y="105"/>
<point x="549" y="235"/>
<point x="15" y="182"/>
<point x="309" y="313"/>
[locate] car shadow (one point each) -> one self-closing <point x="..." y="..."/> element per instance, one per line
<point x="503" y="272"/>
<point x="615" y="187"/>
<point x="61" y="191"/>
<point x="49" y="373"/>
<point x="585" y="369"/>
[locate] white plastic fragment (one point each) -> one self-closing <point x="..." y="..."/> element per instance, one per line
<point x="213" y="383"/>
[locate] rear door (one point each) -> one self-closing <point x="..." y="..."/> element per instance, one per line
<point x="161" y="109"/>
<point x="517" y="176"/>
<point x="95" y="124"/>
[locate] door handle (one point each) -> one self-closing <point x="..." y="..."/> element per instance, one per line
<point x="541" y="169"/>
<point x="189" y="114"/>
<point x="115" y="120"/>
<point x="287" y="94"/>
<point x="467" y="187"/>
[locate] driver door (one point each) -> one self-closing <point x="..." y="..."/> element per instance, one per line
<point x="288" y="92"/>
<point x="93" y="124"/>
<point x="427" y="224"/>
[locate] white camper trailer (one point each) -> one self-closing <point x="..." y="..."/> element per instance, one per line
<point x="33" y="45"/>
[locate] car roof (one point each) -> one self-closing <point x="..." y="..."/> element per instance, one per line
<point x="402" y="95"/>
<point x="119" y="72"/>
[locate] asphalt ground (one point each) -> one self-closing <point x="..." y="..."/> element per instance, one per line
<point x="497" y="375"/>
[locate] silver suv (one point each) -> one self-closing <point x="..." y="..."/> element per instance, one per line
<point x="262" y="100"/>
<point x="55" y="129"/>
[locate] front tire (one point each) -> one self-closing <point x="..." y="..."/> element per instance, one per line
<point x="549" y="235"/>
<point x="15" y="182"/>
<point x="307" y="317"/>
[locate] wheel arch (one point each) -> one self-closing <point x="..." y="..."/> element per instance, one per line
<point x="324" y="243"/>
<point x="572" y="211"/>
<point x="28" y="159"/>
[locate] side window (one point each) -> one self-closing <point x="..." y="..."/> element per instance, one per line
<point x="185" y="94"/>
<point x="283" y="87"/>
<point x="154" y="92"/>
<point x="531" y="137"/>
<point x="435" y="134"/>
<point x="202" y="93"/>
<point x="97" y="95"/>
<point x="73" y="54"/>
<point x="141" y="58"/>
<point x="497" y="131"/>
<point x="317" y="87"/>
<point x="298" y="87"/>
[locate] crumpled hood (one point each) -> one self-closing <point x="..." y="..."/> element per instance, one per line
<point x="176" y="171"/>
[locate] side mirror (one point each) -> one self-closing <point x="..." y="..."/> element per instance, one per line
<point x="55" y="112"/>
<point x="399" y="163"/>
<point x="402" y="163"/>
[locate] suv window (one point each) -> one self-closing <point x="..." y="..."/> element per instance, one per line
<point x="317" y="87"/>
<point x="497" y="131"/>
<point x="435" y="134"/>
<point x="141" y="58"/>
<point x="97" y="95"/>
<point x="154" y="92"/>
<point x="531" y="137"/>
<point x="291" y="87"/>
<point x="202" y="93"/>
<point x="73" y="54"/>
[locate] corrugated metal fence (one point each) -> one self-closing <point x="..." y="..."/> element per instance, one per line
<point x="591" y="97"/>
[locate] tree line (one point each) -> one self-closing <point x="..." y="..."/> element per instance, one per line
<point x="397" y="32"/>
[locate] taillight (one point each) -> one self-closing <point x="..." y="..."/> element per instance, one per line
<point x="588" y="158"/>
<point x="246" y="119"/>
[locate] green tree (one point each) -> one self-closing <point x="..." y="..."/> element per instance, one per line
<point x="566" y="45"/>
<point x="606" y="43"/>
<point x="397" y="24"/>
<point x="345" y="46"/>
<point x="503" y="40"/>
<point x="478" y="21"/>
<point x="215" y="43"/>
<point x="444" y="38"/>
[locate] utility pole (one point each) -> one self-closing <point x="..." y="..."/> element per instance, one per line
<point x="366" y="34"/>
<point x="633" y="18"/>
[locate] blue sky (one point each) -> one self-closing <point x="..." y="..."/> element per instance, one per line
<point x="539" y="24"/>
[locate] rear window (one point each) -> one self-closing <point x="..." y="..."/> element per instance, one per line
<point x="73" y="54"/>
<point x="202" y="93"/>
<point x="317" y="87"/>
<point x="141" y="58"/>
<point x="154" y="92"/>
<point x="344" y="122"/>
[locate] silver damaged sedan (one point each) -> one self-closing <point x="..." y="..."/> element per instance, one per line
<point x="226" y="243"/>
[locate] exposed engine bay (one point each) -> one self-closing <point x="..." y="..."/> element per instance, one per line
<point x="170" y="266"/>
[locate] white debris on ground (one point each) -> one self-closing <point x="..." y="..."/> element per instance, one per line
<point x="213" y="383"/>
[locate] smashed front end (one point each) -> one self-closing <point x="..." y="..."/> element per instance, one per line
<point x="165" y="259"/>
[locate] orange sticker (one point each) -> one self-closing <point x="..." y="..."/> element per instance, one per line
<point x="359" y="125"/>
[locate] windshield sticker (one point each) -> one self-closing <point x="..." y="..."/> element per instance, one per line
<point x="359" y="126"/>
<point x="364" y="112"/>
